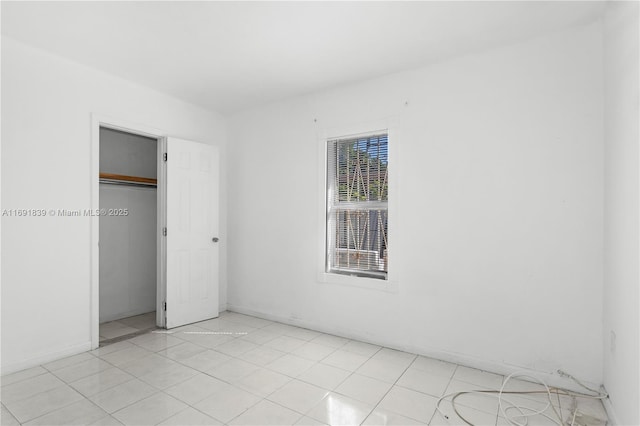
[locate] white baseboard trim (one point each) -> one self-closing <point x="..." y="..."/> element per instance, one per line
<point x="45" y="358"/>
<point x="608" y="407"/>
<point x="550" y="378"/>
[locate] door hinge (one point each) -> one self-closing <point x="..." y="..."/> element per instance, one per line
<point x="164" y="232"/>
<point x="165" y="306"/>
<point x="164" y="157"/>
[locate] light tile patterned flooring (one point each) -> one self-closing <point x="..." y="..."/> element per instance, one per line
<point x="242" y="370"/>
<point x="125" y="326"/>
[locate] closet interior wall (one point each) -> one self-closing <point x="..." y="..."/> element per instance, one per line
<point x="128" y="229"/>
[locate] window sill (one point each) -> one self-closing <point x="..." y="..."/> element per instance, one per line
<point x="363" y="282"/>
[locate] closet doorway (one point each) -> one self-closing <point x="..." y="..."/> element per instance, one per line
<point x="168" y="226"/>
<point x="128" y="234"/>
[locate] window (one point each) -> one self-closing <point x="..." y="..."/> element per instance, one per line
<point x="357" y="206"/>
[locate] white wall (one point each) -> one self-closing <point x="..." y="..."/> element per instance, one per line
<point x="47" y="103"/>
<point x="124" y="153"/>
<point x="127" y="252"/>
<point x="498" y="246"/>
<point x="621" y="274"/>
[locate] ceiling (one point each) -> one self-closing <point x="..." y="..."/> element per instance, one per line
<point x="228" y="56"/>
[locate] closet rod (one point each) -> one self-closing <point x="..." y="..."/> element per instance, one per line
<point x="125" y="178"/>
<point x="125" y="183"/>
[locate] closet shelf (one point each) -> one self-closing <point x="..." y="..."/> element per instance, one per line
<point x="124" y="179"/>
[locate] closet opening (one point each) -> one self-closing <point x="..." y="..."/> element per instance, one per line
<point x="128" y="234"/>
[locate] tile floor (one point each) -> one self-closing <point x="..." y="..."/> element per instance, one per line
<point x="242" y="370"/>
<point x="125" y="326"/>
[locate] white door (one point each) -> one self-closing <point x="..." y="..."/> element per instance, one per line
<point x="192" y="180"/>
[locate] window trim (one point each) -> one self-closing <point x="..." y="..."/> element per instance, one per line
<point x="324" y="136"/>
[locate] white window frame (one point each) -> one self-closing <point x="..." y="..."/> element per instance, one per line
<point x="344" y="132"/>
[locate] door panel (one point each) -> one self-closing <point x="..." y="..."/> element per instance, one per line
<point x="192" y="223"/>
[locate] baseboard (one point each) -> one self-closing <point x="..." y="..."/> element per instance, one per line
<point x="608" y="407"/>
<point x="550" y="378"/>
<point x="44" y="358"/>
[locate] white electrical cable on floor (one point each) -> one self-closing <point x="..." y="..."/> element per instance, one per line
<point x="531" y="412"/>
<point x="523" y="413"/>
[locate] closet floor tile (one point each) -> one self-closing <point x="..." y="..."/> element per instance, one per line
<point x="115" y="329"/>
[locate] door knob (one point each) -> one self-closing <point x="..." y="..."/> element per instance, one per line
<point x="215" y="239"/>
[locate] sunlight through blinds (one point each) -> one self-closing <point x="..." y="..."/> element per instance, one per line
<point x="357" y="198"/>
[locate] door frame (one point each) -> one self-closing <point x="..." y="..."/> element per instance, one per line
<point x="98" y="121"/>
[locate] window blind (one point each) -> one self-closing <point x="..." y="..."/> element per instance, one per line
<point x="357" y="205"/>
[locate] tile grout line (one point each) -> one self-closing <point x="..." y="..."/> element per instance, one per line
<point x="63" y="384"/>
<point x="282" y="332"/>
<point x="134" y="377"/>
<point x="453" y="373"/>
<point x="217" y="378"/>
<point x="302" y="415"/>
<point x="394" y="384"/>
<point x="52" y="411"/>
<point x="345" y="379"/>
